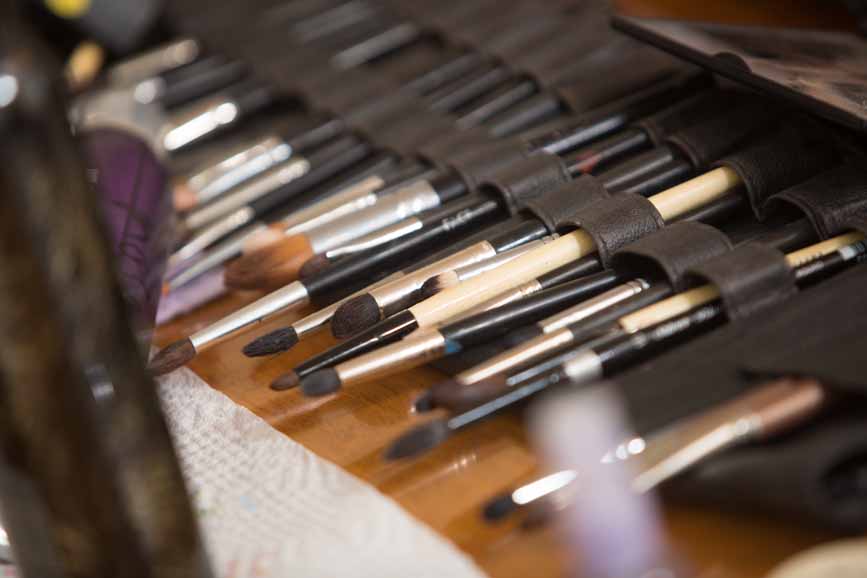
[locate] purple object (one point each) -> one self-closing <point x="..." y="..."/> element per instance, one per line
<point x="132" y="185"/>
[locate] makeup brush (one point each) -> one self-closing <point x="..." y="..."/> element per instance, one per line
<point x="290" y="184"/>
<point x="356" y="317"/>
<point x="424" y="346"/>
<point x="637" y="336"/>
<point x="764" y="412"/>
<point x="285" y="338"/>
<point x="321" y="286"/>
<point x="453" y="301"/>
<point x="361" y="189"/>
<point x="279" y="264"/>
<point x="566" y="328"/>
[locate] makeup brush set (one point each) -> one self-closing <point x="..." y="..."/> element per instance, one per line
<point x="537" y="196"/>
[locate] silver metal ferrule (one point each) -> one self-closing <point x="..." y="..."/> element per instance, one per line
<point x="516" y="357"/>
<point x="592" y="306"/>
<point x="211" y="234"/>
<point x="153" y="62"/>
<point x="416" y="349"/>
<point x="515" y="294"/>
<point x="377" y="238"/>
<point x="291" y="296"/>
<point x="407" y="202"/>
<point x="584" y="367"/>
<point x="278" y="176"/>
<point x="542" y="487"/>
<point x="240" y="165"/>
<point x="392" y="293"/>
<point x="216" y="256"/>
<point x="198" y="120"/>
<point x="347" y="200"/>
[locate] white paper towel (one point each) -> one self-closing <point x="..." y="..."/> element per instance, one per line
<point x="271" y="508"/>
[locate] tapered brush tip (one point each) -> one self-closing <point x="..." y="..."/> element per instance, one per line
<point x="438" y="283"/>
<point x="172" y="357"/>
<point x="499" y="508"/>
<point x="457" y="396"/>
<point x="277" y="341"/>
<point x="286" y="381"/>
<point x="271" y="266"/>
<point x="319" y="383"/>
<point x="354" y="316"/>
<point x="313" y="266"/>
<point x="418" y="440"/>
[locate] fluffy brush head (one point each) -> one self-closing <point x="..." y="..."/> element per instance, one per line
<point x="354" y="316"/>
<point x="418" y="440"/>
<point x="313" y="266"/>
<point x="271" y="234"/>
<point x="457" y="396"/>
<point x="269" y="267"/>
<point x="172" y="357"/>
<point x="499" y="508"/>
<point x="277" y="341"/>
<point x="438" y="283"/>
<point x="319" y="383"/>
<point x="286" y="381"/>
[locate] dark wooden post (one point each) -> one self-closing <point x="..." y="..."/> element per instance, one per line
<point x="89" y="482"/>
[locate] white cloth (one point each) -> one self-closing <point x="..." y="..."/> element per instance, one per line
<point x="269" y="507"/>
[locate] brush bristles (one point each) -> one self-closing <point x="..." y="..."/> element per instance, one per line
<point x="277" y="341"/>
<point x="172" y="357"/>
<point x="354" y="316"/>
<point x="457" y="396"/>
<point x="322" y="382"/>
<point x="499" y="508"/>
<point x="438" y="283"/>
<point x="313" y="266"/>
<point x="418" y="440"/>
<point x="270" y="267"/>
<point x="285" y="381"/>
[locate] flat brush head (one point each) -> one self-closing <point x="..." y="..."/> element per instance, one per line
<point x="418" y="440"/>
<point x="322" y="382"/>
<point x="457" y="396"/>
<point x="270" y="267"/>
<point x="354" y="316"/>
<point x="275" y="342"/>
<point x="499" y="508"/>
<point x="438" y="283"/>
<point x="172" y="357"/>
<point x="313" y="266"/>
<point x="286" y="381"/>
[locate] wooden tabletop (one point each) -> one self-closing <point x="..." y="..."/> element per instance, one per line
<point x="446" y="488"/>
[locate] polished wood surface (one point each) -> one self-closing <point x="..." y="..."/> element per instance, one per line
<point x="446" y="488"/>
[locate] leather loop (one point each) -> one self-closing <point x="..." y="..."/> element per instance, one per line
<point x="750" y="278"/>
<point x="618" y="221"/>
<point x="526" y="180"/>
<point x="776" y="162"/>
<point x="478" y="164"/>
<point x="834" y="201"/>
<point x="673" y="251"/>
<point x="561" y="206"/>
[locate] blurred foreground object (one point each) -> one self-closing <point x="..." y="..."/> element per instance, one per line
<point x="90" y="485"/>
